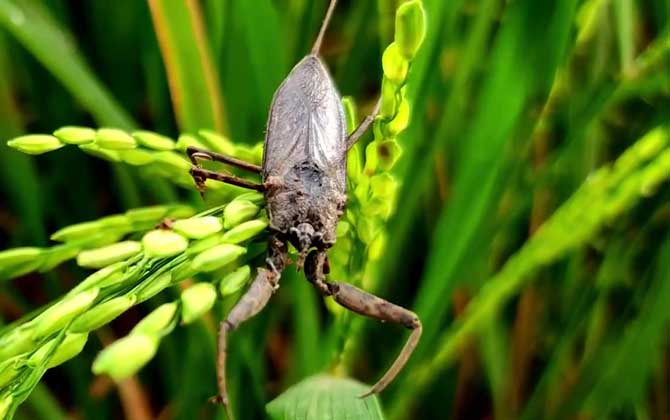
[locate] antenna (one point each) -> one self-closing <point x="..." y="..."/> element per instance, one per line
<point x="324" y="26"/>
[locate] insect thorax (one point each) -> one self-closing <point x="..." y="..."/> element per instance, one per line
<point x="305" y="198"/>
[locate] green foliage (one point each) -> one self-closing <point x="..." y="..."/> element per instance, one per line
<point x="513" y="193"/>
<point x="607" y="193"/>
<point x="50" y="43"/>
<point x="131" y="272"/>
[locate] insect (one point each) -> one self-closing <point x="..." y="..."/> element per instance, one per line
<point x="304" y="182"/>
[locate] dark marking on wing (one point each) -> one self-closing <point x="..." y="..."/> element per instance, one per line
<point x="306" y="122"/>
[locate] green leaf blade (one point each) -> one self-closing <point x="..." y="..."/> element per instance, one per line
<point x="325" y="397"/>
<point x="53" y="46"/>
<point x="191" y="72"/>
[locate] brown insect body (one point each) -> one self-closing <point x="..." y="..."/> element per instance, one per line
<point x="304" y="182"/>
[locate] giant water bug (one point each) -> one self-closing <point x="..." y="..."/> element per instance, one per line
<point x="304" y="182"/>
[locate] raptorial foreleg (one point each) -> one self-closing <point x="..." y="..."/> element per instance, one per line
<point x="251" y="303"/>
<point x="200" y="175"/>
<point x="195" y="154"/>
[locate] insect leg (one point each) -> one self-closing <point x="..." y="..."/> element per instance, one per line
<point x="195" y="153"/>
<point x="369" y="305"/>
<point x="200" y="175"/>
<point x="251" y="303"/>
<point x="363" y="126"/>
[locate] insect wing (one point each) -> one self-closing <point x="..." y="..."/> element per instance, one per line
<point x="306" y="121"/>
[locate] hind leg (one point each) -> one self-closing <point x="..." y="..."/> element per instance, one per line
<point x="369" y="305"/>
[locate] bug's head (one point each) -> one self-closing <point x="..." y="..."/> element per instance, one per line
<point x="304" y="237"/>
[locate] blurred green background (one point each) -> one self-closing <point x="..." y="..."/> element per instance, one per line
<point x="514" y="105"/>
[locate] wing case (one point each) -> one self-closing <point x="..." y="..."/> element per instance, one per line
<point x="306" y="124"/>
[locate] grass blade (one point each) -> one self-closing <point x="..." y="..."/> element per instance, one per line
<point x="192" y="74"/>
<point x="601" y="198"/>
<point x="600" y="387"/>
<point x="17" y="171"/>
<point x="55" y="49"/>
<point x="506" y="94"/>
<point x="253" y="65"/>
